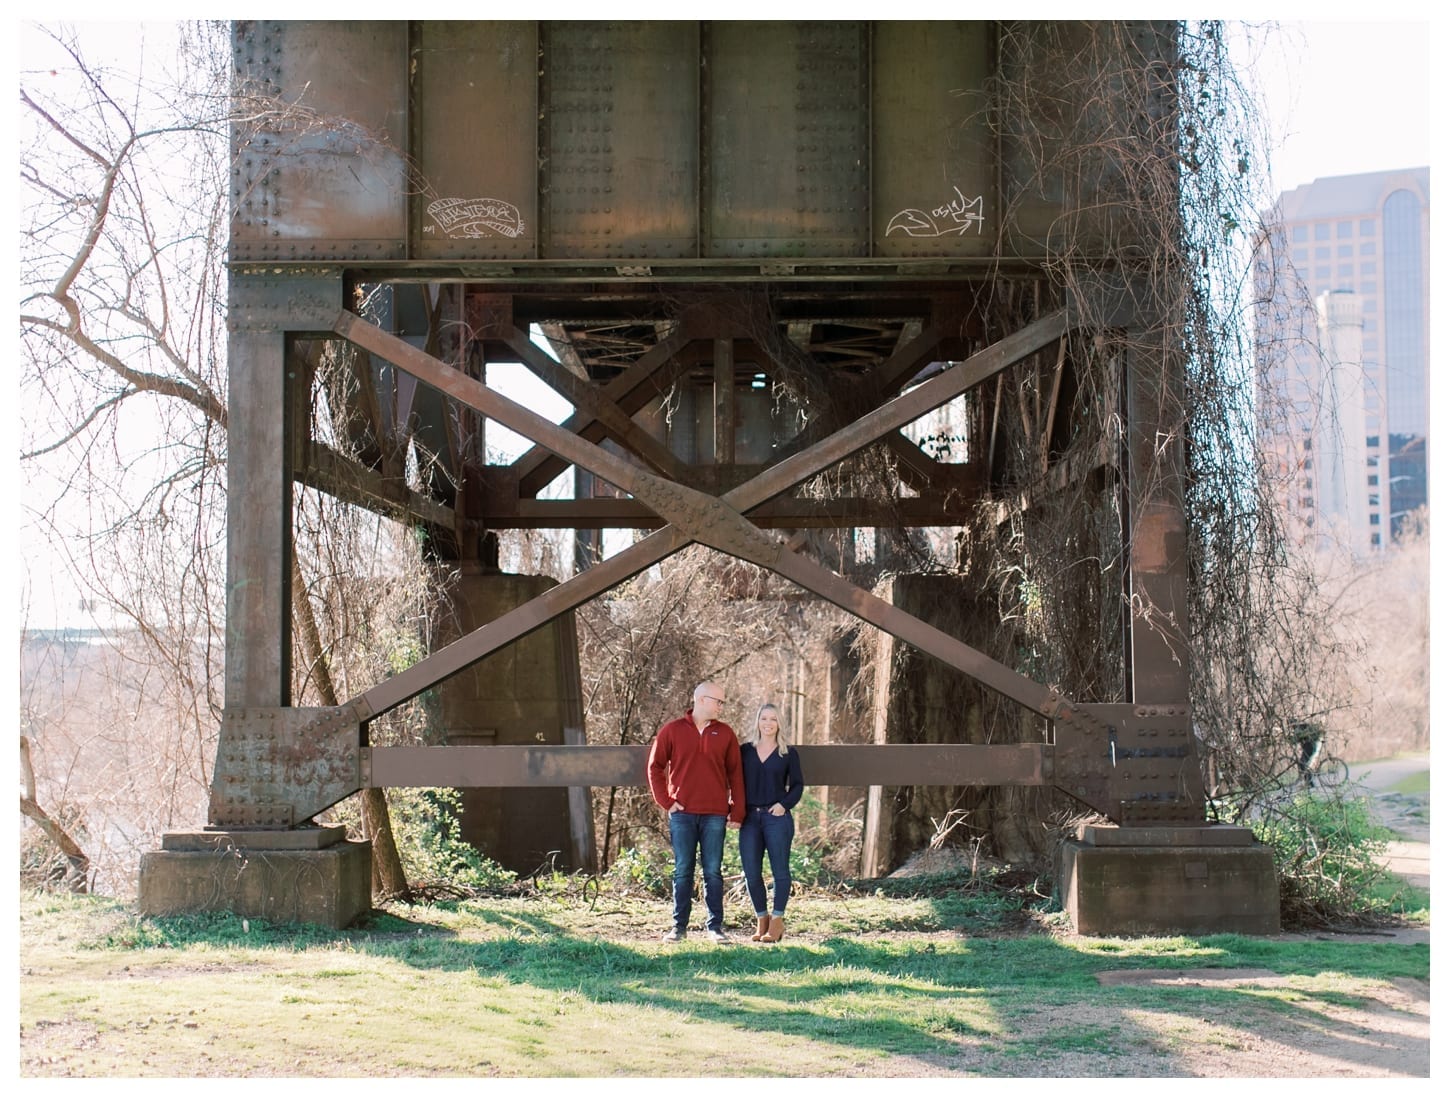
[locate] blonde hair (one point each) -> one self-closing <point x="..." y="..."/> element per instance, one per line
<point x="782" y="741"/>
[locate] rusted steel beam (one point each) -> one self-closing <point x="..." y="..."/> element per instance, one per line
<point x="938" y="509"/>
<point x="954" y="653"/>
<point x="478" y="396"/>
<point x="262" y="310"/>
<point x="588" y="397"/>
<point x="916" y="468"/>
<point x="908" y="407"/>
<point x="908" y="358"/>
<point x="486" y="639"/>
<point x="739" y="538"/>
<point x="1157" y="527"/>
<point x="724" y="402"/>
<point x="331" y="472"/>
<point x="649" y="377"/>
<point x="828" y="764"/>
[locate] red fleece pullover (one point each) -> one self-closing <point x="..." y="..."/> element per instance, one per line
<point x="700" y="768"/>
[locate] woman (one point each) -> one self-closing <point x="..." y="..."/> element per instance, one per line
<point x="772" y="771"/>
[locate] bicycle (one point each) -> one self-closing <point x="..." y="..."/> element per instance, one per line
<point x="1316" y="769"/>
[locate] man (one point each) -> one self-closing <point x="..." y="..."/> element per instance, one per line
<point x="695" y="775"/>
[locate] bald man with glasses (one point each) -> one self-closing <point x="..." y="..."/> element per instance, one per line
<point x="695" y="776"/>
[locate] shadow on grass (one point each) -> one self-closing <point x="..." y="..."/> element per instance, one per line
<point x="1006" y="1006"/>
<point x="937" y="999"/>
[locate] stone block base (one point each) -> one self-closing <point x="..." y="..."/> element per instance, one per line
<point x="284" y="876"/>
<point x="1121" y="882"/>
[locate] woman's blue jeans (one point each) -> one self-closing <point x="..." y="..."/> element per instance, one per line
<point x="689" y="830"/>
<point x="761" y="834"/>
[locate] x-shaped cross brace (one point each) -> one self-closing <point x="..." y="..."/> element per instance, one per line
<point x="718" y="522"/>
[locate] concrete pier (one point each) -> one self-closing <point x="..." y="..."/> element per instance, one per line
<point x="1125" y="881"/>
<point x="305" y="875"/>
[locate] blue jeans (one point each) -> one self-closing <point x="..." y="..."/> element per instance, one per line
<point x="763" y="833"/>
<point x="689" y="830"/>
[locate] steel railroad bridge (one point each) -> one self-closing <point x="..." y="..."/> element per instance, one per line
<point x="689" y="208"/>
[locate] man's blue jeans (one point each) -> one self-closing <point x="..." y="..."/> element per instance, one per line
<point x="689" y="830"/>
<point x="762" y="834"/>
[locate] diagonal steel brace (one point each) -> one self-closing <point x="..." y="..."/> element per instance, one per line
<point x="715" y="521"/>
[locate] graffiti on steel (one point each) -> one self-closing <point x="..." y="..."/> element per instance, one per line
<point x="474" y="217"/>
<point x="956" y="216"/>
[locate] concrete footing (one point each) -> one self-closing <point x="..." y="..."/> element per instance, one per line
<point x="1125" y="881"/>
<point x="304" y="875"/>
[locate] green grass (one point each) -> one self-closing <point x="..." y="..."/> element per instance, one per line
<point x="1413" y="785"/>
<point x="864" y="984"/>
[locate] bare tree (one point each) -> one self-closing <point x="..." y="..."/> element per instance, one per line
<point x="55" y="831"/>
<point x="124" y="179"/>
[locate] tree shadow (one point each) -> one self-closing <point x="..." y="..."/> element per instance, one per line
<point x="952" y="1003"/>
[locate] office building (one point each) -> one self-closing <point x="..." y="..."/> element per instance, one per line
<point x="1342" y="346"/>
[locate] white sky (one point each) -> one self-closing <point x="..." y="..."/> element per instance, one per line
<point x="1341" y="97"/>
<point x="1347" y="97"/>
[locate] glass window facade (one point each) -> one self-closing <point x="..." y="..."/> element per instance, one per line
<point x="1404" y="316"/>
<point x="1382" y="257"/>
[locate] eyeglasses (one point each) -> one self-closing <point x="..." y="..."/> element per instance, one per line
<point x="706" y="697"/>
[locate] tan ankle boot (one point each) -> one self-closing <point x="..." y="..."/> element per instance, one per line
<point x="762" y="929"/>
<point x="776" y="931"/>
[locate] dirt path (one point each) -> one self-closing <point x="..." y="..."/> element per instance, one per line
<point x="1385" y="1035"/>
<point x="1408" y="815"/>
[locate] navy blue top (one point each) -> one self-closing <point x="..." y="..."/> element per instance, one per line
<point x="775" y="779"/>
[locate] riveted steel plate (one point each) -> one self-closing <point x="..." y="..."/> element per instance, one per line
<point x="475" y="134"/>
<point x="262" y="303"/>
<point x="620" y="139"/>
<point x="785" y="112"/>
<point x="1137" y="764"/>
<point x="324" y="176"/>
<point x="277" y="767"/>
<point x="933" y="160"/>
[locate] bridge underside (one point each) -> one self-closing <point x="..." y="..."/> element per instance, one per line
<point x="767" y="385"/>
<point x="756" y="253"/>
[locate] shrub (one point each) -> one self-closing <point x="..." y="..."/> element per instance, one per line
<point x="638" y="868"/>
<point x="1328" y="849"/>
<point x="431" y="845"/>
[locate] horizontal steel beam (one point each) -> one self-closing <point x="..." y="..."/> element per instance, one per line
<point x="781" y="512"/>
<point x="329" y="471"/>
<point x="593" y="274"/>
<point x="829" y="764"/>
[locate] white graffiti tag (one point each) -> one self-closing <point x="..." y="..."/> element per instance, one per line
<point x="467" y="217"/>
<point x="955" y="217"/>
